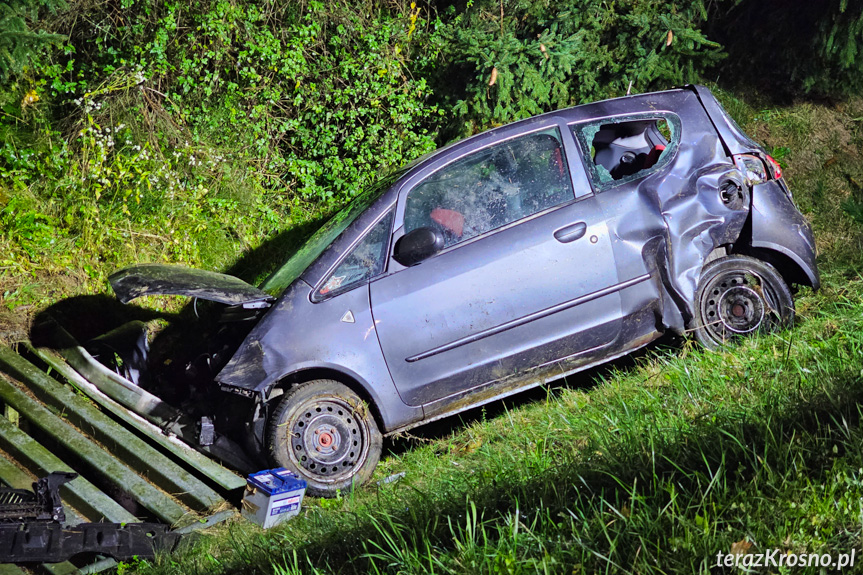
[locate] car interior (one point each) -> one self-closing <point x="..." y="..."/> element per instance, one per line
<point x="492" y="188"/>
<point x="626" y="148"/>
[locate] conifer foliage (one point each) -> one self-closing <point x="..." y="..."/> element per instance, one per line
<point x="795" y="48"/>
<point x="17" y="40"/>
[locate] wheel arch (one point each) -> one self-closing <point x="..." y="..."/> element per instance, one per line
<point x="353" y="382"/>
<point x="788" y="267"/>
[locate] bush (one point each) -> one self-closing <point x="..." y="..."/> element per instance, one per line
<point x="190" y="133"/>
<point x="813" y="48"/>
<point x="18" y="42"/>
<point x="320" y="98"/>
<point x="521" y="57"/>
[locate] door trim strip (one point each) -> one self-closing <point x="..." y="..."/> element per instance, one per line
<point x="529" y="318"/>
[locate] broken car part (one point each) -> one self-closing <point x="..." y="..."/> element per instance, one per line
<point x="52" y="543"/>
<point x="41" y="504"/>
<point x="31" y="529"/>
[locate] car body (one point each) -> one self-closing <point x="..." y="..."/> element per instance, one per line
<point x="504" y="261"/>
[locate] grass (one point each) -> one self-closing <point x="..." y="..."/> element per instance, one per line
<point x="653" y="465"/>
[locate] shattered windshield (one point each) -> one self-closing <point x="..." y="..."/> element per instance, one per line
<point x="326" y="234"/>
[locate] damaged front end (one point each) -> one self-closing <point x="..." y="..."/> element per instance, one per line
<point x="181" y="362"/>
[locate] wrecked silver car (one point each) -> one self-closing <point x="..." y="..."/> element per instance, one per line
<point x="501" y="262"/>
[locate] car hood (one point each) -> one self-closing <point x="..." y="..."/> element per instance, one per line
<point x="158" y="279"/>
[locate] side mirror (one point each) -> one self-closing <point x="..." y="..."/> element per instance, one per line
<point x="417" y="245"/>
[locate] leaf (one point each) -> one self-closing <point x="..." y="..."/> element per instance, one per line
<point x="742" y="547"/>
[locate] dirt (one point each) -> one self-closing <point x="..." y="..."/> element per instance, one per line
<point x="15" y="318"/>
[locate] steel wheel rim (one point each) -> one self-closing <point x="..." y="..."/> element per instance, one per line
<point x="328" y="440"/>
<point x="737" y="303"/>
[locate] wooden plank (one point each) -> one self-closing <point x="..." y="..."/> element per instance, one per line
<point x="64" y="568"/>
<point x="144" y="403"/>
<point x="221" y="476"/>
<point x="100" y="463"/>
<point x="83" y="495"/>
<point x="14" y="476"/>
<point x="118" y="440"/>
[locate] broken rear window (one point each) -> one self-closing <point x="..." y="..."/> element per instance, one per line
<point x="629" y="148"/>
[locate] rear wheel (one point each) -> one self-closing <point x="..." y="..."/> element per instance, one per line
<point x="323" y="431"/>
<point x="738" y="296"/>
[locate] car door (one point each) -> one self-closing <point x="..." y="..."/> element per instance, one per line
<point x="526" y="276"/>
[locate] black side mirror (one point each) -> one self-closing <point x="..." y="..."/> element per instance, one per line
<point x="417" y="245"/>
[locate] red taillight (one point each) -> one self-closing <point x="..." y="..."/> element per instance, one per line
<point x="777" y="169"/>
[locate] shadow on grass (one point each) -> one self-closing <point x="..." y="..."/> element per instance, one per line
<point x="86" y="317"/>
<point x="256" y="265"/>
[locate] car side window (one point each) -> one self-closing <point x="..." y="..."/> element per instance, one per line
<point x="492" y="187"/>
<point x="365" y="260"/>
<point x="626" y="149"/>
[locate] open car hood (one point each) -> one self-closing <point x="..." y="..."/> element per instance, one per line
<point x="157" y="279"/>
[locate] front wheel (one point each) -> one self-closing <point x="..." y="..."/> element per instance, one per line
<point x="738" y="296"/>
<point x="323" y="431"/>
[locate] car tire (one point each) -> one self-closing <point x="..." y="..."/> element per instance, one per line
<point x="737" y="296"/>
<point x="326" y="434"/>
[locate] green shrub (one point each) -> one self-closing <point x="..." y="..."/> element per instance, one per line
<point x="813" y="48"/>
<point x="318" y="97"/>
<point x="18" y="42"/>
<point x="521" y="58"/>
<point x="193" y="133"/>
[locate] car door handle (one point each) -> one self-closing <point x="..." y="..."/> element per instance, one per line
<point x="570" y="233"/>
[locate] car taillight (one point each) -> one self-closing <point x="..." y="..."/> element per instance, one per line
<point x="777" y="169"/>
<point x="752" y="167"/>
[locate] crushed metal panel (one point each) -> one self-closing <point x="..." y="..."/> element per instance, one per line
<point x="159" y="279"/>
<point x="673" y="212"/>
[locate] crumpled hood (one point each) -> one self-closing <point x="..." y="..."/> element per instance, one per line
<point x="159" y="279"/>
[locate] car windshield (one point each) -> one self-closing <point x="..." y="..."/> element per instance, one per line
<point x="326" y="234"/>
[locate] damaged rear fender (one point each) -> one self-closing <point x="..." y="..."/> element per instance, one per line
<point x="781" y="235"/>
<point x="710" y="217"/>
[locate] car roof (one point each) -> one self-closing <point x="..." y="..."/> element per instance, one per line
<point x="582" y="112"/>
